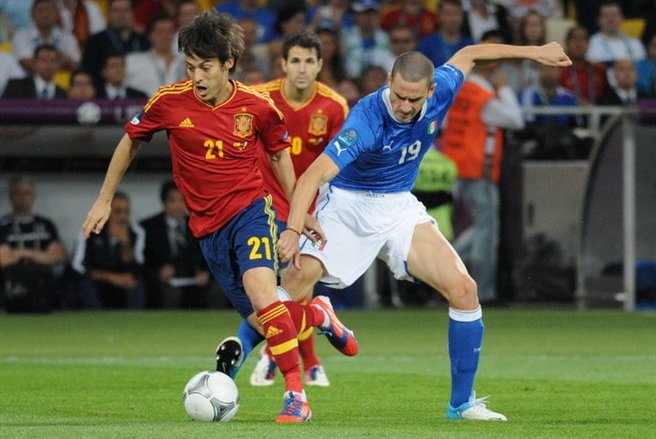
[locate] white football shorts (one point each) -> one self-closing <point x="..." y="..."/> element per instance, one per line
<point x="360" y="226"/>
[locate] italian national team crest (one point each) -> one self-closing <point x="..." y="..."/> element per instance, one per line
<point x="243" y="124"/>
<point x="318" y="124"/>
<point x="432" y="127"/>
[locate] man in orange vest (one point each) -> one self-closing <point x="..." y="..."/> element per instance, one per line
<point x="473" y="138"/>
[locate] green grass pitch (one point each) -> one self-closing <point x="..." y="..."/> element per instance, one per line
<point x="554" y="373"/>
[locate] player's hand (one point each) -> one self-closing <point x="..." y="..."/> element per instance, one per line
<point x="287" y="245"/>
<point x="96" y="218"/>
<point x="552" y="54"/>
<point x="312" y="229"/>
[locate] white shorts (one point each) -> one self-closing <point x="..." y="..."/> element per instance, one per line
<point x="360" y="226"/>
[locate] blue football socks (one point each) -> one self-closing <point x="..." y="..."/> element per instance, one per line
<point x="249" y="339"/>
<point x="465" y="339"/>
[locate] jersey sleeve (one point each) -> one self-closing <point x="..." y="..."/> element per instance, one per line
<point x="273" y="132"/>
<point x="448" y="80"/>
<point x="148" y="122"/>
<point x="358" y="134"/>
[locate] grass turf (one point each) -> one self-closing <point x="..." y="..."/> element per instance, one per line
<point x="555" y="374"/>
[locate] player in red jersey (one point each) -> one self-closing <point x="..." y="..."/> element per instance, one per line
<point x="314" y="114"/>
<point x="214" y="126"/>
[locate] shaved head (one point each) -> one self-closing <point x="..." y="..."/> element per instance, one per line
<point x="413" y="67"/>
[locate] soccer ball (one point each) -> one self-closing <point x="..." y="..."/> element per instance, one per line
<point x="211" y="396"/>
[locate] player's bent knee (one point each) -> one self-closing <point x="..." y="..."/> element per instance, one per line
<point x="464" y="294"/>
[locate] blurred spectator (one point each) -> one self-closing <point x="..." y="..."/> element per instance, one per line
<point x="586" y="80"/>
<point x="111" y="262"/>
<point x="113" y="85"/>
<point x="332" y="72"/>
<point x="30" y="252"/>
<point x="350" y="90"/>
<point x="119" y="37"/>
<point x="176" y="273"/>
<point x="253" y="76"/>
<point x="292" y="19"/>
<point x="264" y="17"/>
<point x="40" y="84"/>
<point x="402" y="40"/>
<point x="646" y="69"/>
<point x="334" y="14"/>
<point x="145" y="10"/>
<point x="552" y="136"/>
<point x="411" y="14"/>
<point x="482" y="16"/>
<point x="18" y="11"/>
<point x="82" y="18"/>
<point x="81" y="86"/>
<point x="256" y="55"/>
<point x="442" y="45"/>
<point x="44" y="30"/>
<point x="623" y="91"/>
<point x="546" y="8"/>
<point x="532" y="32"/>
<point x="548" y="92"/>
<point x="372" y="78"/>
<point x="185" y="13"/>
<point x="610" y="43"/>
<point x="366" y="43"/>
<point x="473" y="139"/>
<point x="9" y="69"/>
<point x="147" y="71"/>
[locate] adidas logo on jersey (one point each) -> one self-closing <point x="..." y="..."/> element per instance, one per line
<point x="187" y="123"/>
<point x="272" y="332"/>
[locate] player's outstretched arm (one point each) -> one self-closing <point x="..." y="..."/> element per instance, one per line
<point x="320" y="171"/>
<point x="125" y="152"/>
<point x="551" y="54"/>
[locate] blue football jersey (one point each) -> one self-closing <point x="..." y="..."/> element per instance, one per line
<point x="376" y="153"/>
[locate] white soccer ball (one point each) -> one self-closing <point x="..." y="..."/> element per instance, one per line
<point x="211" y="396"/>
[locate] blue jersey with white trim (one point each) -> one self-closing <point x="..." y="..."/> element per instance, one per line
<point x="376" y="153"/>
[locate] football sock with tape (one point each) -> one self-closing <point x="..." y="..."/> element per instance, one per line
<point x="280" y="334"/>
<point x="305" y="318"/>
<point x="465" y="339"/>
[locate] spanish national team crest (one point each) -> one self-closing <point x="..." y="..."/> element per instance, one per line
<point x="318" y="124"/>
<point x="243" y="124"/>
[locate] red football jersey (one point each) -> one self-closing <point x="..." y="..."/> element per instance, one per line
<point x="311" y="126"/>
<point x="213" y="149"/>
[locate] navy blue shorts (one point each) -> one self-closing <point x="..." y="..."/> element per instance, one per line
<point x="247" y="241"/>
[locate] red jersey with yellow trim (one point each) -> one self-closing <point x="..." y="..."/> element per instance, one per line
<point x="310" y="126"/>
<point x="213" y="149"/>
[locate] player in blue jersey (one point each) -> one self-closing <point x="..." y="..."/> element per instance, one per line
<point x="367" y="210"/>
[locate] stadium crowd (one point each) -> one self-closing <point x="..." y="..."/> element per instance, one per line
<point x="113" y="49"/>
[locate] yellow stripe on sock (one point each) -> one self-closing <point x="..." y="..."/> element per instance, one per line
<point x="284" y="347"/>
<point x="302" y="336"/>
<point x="277" y="311"/>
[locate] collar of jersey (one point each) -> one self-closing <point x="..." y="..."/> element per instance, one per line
<point x="388" y="105"/>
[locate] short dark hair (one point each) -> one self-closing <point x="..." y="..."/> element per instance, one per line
<point x="160" y="16"/>
<point x="167" y="187"/>
<point x="213" y="35"/>
<point x="414" y="67"/>
<point x="493" y="33"/>
<point x="120" y="195"/>
<point x="304" y="39"/>
<point x="42" y="47"/>
<point x="570" y="33"/>
<point x="20" y="180"/>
